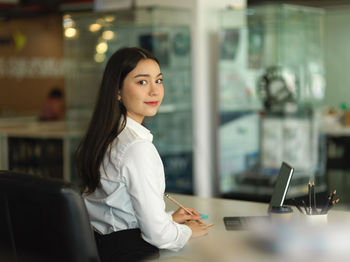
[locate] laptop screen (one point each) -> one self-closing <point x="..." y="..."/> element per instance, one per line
<point x="281" y="186"/>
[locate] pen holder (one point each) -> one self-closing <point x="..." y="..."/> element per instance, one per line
<point x="316" y="219"/>
<point x="280" y="214"/>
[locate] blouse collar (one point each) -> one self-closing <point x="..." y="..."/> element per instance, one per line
<point x="139" y="129"/>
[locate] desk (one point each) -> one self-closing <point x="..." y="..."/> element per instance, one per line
<point x="234" y="243"/>
<point x="335" y="130"/>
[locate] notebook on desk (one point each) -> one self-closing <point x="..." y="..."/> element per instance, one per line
<point x="279" y="193"/>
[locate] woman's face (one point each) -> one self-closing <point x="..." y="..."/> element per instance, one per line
<point x="142" y="91"/>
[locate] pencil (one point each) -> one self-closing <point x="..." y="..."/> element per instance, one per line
<point x="210" y="225"/>
<point x="333" y="194"/>
<point x="178" y="204"/>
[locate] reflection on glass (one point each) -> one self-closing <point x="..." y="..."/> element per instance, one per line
<point x="271" y="76"/>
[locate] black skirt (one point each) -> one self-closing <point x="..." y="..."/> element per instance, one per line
<point x="124" y="246"/>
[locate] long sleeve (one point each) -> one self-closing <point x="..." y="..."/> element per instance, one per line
<point x="143" y="172"/>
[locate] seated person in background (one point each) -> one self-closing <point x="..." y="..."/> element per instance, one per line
<point x="121" y="171"/>
<point x="53" y="108"/>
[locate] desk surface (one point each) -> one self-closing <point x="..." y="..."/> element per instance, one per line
<point x="335" y="130"/>
<point x="221" y="245"/>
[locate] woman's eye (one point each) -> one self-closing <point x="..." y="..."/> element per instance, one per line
<point x="142" y="82"/>
<point x="159" y="81"/>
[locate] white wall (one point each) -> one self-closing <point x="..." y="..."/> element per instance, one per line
<point x="337" y="57"/>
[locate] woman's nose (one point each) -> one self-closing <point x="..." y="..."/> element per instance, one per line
<point x="154" y="90"/>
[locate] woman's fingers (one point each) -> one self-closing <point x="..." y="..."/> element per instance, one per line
<point x="196" y="215"/>
<point x="194" y="212"/>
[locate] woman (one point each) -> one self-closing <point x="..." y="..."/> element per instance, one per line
<point x="121" y="171"/>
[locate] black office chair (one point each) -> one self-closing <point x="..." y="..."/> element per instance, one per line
<point x="43" y="220"/>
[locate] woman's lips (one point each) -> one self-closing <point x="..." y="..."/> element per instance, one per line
<point x="152" y="103"/>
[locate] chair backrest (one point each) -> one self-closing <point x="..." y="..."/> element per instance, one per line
<point x="43" y="220"/>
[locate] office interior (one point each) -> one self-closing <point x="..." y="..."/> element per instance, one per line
<point x="248" y="84"/>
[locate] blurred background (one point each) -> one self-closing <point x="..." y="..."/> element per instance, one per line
<point x="248" y="84"/>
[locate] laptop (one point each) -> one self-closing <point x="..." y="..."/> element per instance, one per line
<point x="279" y="194"/>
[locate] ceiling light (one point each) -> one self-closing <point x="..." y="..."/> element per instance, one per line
<point x="108" y="35"/>
<point x="95" y="27"/>
<point x="101" y="47"/>
<point x="70" y="32"/>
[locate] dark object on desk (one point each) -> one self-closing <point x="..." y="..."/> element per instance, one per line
<point x="281" y="210"/>
<point x="242" y="223"/>
<point x="43" y="220"/>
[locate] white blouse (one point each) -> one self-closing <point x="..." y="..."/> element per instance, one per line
<point x="132" y="190"/>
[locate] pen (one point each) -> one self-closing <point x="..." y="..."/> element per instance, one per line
<point x="314" y="209"/>
<point x="331" y="201"/>
<point x="333" y="204"/>
<point x="333" y="194"/>
<point x="178" y="204"/>
<point x="309" y="193"/>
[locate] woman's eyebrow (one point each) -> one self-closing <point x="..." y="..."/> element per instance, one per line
<point x="146" y="75"/>
<point x="142" y="75"/>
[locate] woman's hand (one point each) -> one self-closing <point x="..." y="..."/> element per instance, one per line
<point x="181" y="216"/>
<point x="198" y="230"/>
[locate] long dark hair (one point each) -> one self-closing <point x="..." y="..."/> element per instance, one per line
<point x="108" y="118"/>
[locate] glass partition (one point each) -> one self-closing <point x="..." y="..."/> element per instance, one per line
<point x="271" y="78"/>
<point x="91" y="38"/>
